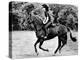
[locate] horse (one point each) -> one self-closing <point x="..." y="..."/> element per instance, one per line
<point x="53" y="31"/>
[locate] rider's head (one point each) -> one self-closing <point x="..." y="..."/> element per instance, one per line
<point x="46" y="7"/>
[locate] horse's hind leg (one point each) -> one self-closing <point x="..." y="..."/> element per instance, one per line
<point x="35" y="46"/>
<point x="64" y="41"/>
<point x="41" y="42"/>
<point x="59" y="44"/>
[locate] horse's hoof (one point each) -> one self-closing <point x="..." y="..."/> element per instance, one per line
<point x="55" y="52"/>
<point x="53" y="55"/>
<point x="59" y="52"/>
<point x="47" y="50"/>
<point x="37" y="54"/>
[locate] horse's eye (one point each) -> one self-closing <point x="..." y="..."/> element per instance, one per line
<point x="35" y="13"/>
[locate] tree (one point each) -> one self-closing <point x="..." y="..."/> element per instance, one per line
<point x="63" y="14"/>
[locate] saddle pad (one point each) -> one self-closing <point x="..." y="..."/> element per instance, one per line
<point x="26" y="40"/>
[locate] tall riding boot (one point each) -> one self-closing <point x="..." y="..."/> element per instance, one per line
<point x="45" y="33"/>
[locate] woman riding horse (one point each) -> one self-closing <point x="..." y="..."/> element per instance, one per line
<point x="58" y="30"/>
<point x="49" y="18"/>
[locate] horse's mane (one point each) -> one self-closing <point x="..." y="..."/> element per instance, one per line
<point x="37" y="22"/>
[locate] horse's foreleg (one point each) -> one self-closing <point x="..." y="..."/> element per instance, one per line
<point x="41" y="42"/>
<point x="59" y="44"/>
<point x="35" y="46"/>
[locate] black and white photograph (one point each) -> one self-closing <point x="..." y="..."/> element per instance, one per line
<point x="42" y="29"/>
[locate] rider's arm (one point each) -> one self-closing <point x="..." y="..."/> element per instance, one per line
<point x="45" y="20"/>
<point x="51" y="16"/>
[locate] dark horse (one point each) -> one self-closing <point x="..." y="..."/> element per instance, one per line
<point x="53" y="31"/>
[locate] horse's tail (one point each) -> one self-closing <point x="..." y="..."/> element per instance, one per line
<point x="72" y="38"/>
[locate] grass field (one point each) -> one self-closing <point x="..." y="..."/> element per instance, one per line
<point x="23" y="45"/>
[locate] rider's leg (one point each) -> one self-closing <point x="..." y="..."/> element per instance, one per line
<point x="44" y="31"/>
<point x="46" y="27"/>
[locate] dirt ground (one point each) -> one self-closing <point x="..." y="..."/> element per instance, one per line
<point x="23" y="45"/>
